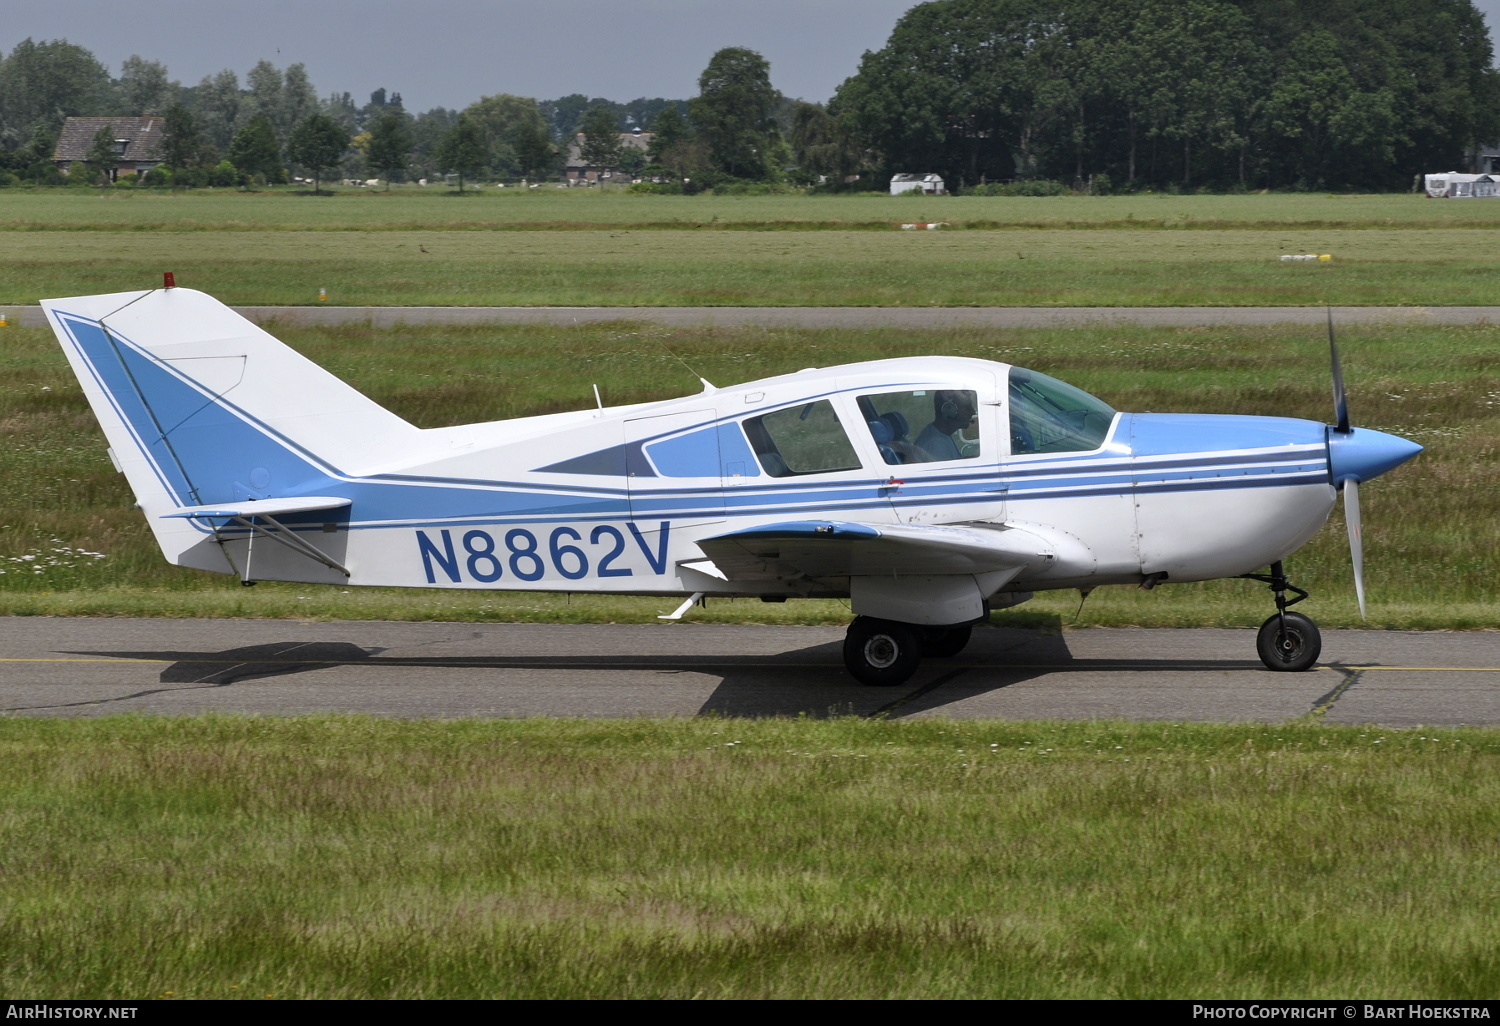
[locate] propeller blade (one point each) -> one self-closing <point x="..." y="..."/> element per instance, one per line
<point x="1356" y="540"/>
<point x="1340" y="401"/>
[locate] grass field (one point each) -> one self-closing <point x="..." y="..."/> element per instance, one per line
<point x="1432" y="536"/>
<point x="562" y="247"/>
<point x="580" y="209"/>
<point x="337" y="857"/>
<point x="1029" y="267"/>
<point x="1061" y="267"/>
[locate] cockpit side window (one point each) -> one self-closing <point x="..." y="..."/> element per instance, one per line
<point x="1047" y="415"/>
<point x="923" y="425"/>
<point x="805" y="439"/>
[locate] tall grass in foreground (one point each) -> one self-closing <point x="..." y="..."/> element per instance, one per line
<point x="1431" y="527"/>
<point x="333" y="857"/>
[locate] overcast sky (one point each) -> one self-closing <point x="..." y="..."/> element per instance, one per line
<point x="448" y="53"/>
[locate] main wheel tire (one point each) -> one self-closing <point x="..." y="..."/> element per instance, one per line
<point x="881" y="653"/>
<point x="1291" y="650"/>
<point x="943" y="642"/>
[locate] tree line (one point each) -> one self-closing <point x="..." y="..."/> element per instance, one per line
<point x="1224" y="93"/>
<point x="995" y="95"/>
<point x="223" y="132"/>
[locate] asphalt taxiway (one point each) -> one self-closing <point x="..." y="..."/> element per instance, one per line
<point x="55" y="666"/>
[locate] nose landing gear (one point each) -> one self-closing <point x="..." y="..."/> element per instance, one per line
<point x="1287" y="642"/>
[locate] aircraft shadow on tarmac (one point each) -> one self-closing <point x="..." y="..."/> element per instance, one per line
<point x="803" y="682"/>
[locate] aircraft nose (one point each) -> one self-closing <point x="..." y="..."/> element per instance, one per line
<point x="1362" y="453"/>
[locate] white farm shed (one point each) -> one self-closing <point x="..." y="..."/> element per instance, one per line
<point x="1453" y="185"/>
<point x="932" y="185"/>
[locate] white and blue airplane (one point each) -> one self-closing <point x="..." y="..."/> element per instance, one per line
<point x="928" y="491"/>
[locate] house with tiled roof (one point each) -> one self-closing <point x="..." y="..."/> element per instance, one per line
<point x="137" y="142"/>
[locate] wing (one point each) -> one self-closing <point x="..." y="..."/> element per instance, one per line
<point x="907" y="572"/>
<point x="834" y="548"/>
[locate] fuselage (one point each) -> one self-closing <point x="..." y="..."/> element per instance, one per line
<point x="617" y="499"/>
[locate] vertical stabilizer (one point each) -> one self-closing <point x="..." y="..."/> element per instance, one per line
<point x="200" y="406"/>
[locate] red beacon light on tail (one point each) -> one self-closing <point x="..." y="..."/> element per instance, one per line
<point x="167" y="281"/>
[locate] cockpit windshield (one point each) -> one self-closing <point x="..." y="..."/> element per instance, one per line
<point x="1047" y="415"/>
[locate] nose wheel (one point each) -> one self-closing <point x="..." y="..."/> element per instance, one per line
<point x="1287" y="642"/>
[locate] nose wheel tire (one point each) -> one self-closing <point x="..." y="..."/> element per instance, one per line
<point x="1292" y="648"/>
<point x="943" y="642"/>
<point x="881" y="653"/>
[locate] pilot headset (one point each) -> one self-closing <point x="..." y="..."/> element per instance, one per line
<point x="949" y="410"/>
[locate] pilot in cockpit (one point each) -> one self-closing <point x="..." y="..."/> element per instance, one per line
<point x="953" y="411"/>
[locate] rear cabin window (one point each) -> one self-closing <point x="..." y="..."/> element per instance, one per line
<point x="923" y="425"/>
<point x="1047" y="415"/>
<point x="806" y="439"/>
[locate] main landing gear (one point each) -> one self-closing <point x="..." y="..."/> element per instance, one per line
<point x="883" y="653"/>
<point x="1287" y="642"/>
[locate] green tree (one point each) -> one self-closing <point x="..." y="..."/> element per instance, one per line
<point x="44" y="83"/>
<point x="144" y="87"/>
<point x="428" y="129"/>
<point x="536" y="157"/>
<point x="462" y="151"/>
<point x="35" y="158"/>
<point x="299" y="100"/>
<point x="1338" y="93"/>
<point x="973" y="89"/>
<point x="217" y="100"/>
<point x="1183" y="70"/>
<point x="675" y="150"/>
<point x="642" y="113"/>
<point x="317" y="144"/>
<point x="733" y="112"/>
<point x="180" y="141"/>
<point x="389" y="148"/>
<point x="632" y="160"/>
<point x="263" y="88"/>
<point x="601" y="138"/>
<point x="104" y="156"/>
<point x="669" y="130"/>
<point x="820" y="144"/>
<point x="1318" y="112"/>
<point x="254" y="150"/>
<point x="288" y="99"/>
<point x="565" y="114"/>
<point x="497" y="118"/>
<point x="340" y="107"/>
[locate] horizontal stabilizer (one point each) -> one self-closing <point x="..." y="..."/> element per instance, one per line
<point x="260" y="507"/>
<point x="832" y="548"/>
